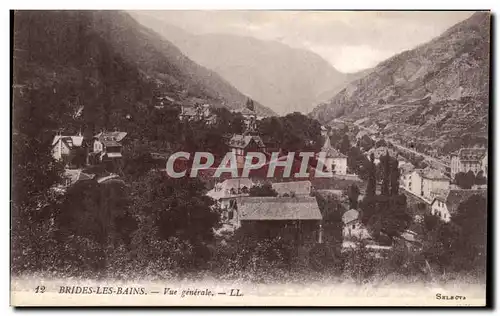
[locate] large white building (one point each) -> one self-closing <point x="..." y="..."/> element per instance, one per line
<point x="475" y="159"/>
<point x="425" y="183"/>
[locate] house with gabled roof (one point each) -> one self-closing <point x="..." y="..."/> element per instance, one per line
<point x="107" y="146"/>
<point x="270" y="216"/>
<point x="445" y="206"/>
<point x="426" y="183"/>
<point x="63" y="145"/>
<point x="65" y="148"/>
<point x="240" y="145"/>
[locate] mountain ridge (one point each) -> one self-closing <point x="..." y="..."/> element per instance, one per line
<point x="281" y="77"/>
<point x="107" y="57"/>
<point x="438" y="81"/>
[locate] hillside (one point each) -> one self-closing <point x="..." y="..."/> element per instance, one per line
<point x="436" y="94"/>
<point x="283" y="78"/>
<point x="108" y="63"/>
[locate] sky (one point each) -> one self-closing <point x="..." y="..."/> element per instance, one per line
<point x="349" y="40"/>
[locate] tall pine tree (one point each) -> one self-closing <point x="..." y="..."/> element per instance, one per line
<point x="395" y="174"/>
<point x="386" y="171"/>
<point x="372" y="178"/>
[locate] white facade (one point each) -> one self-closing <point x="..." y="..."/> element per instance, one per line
<point x="415" y="183"/>
<point x="337" y="165"/>
<point x="469" y="159"/>
<point x="355" y="230"/>
<point x="431" y="186"/>
<point x="439" y="208"/>
<point x="425" y="183"/>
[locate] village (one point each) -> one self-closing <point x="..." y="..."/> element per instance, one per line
<point x="283" y="203"/>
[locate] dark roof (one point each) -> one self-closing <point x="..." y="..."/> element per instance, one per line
<point x="472" y="154"/>
<point x="433" y="174"/>
<point x="278" y="208"/>
<point x="111" y="143"/>
<point x="116" y="136"/>
<point x="242" y="141"/>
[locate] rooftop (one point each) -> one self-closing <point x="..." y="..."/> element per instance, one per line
<point x="471" y="154"/>
<point x="279" y="208"/>
<point x="330" y="151"/>
<point x="242" y="141"/>
<point x="72" y="141"/>
<point x="115" y="136"/>
<point x="297" y="187"/>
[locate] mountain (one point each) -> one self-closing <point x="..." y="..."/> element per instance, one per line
<point x="110" y="64"/>
<point x="436" y="94"/>
<point x="283" y="78"/>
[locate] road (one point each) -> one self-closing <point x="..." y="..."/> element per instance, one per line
<point x="400" y="147"/>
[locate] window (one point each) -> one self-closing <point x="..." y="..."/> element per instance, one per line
<point x="230" y="215"/>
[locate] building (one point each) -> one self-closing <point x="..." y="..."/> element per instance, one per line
<point x="197" y="112"/>
<point x="297" y="217"/>
<point x="425" y="183"/>
<point x="333" y="161"/>
<point x="226" y="194"/>
<point x="107" y="146"/>
<point x="446" y="206"/>
<point x="405" y="171"/>
<point x="240" y="145"/>
<point x="293" y="188"/>
<point x="249" y="118"/>
<point x="434" y="182"/>
<point x="65" y="148"/>
<point x="354" y="230"/>
<point x="475" y="159"/>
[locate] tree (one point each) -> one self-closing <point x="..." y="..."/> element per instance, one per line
<point x="292" y="133"/>
<point x="381" y="143"/>
<point x="249" y="104"/>
<point x="265" y="189"/>
<point x="385" y="163"/>
<point x="175" y="214"/>
<point x="385" y="214"/>
<point x="345" y="145"/>
<point x="366" y="143"/>
<point x="470" y="250"/>
<point x="480" y="178"/>
<point x="465" y="180"/>
<point x="94" y="218"/>
<point x="394" y="176"/>
<point x="357" y="162"/>
<point x="372" y="177"/>
<point x="459" y="245"/>
<point x="353" y="194"/>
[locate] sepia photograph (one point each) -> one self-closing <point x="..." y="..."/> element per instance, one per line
<point x="250" y="158"/>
